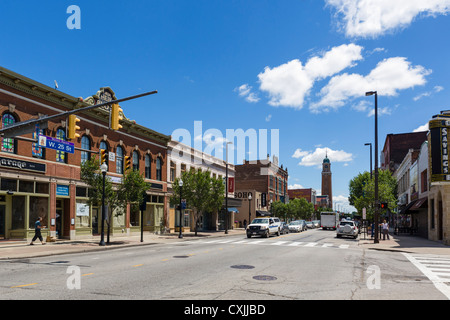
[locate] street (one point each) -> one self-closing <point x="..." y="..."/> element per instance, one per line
<point x="312" y="265"/>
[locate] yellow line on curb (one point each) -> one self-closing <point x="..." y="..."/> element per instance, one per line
<point x="24" y="285"/>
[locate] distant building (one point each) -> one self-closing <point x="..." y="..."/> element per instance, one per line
<point x="308" y="194"/>
<point x="396" y="146"/>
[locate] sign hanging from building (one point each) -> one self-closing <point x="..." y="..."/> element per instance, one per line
<point x="230" y="184"/>
<point x="438" y="149"/>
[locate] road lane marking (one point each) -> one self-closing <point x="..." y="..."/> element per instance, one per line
<point x="295" y="244"/>
<point x="325" y="245"/>
<point x="138" y="265"/>
<point x="87" y="274"/>
<point x="24" y="285"/>
<point x="344" y="246"/>
<point x="278" y="243"/>
<point x="310" y="244"/>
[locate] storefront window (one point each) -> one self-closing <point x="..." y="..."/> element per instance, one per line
<point x="9" y="185"/>
<point x="42" y="187"/>
<point x="38" y="208"/>
<point x="82" y="219"/>
<point x="26" y="186"/>
<point x="135" y="218"/>
<point x="18" y="213"/>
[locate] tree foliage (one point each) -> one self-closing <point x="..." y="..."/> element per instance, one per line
<point x="203" y="193"/>
<point x="294" y="210"/>
<point x="362" y="191"/>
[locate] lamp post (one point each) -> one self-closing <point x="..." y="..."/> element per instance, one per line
<point x="103" y="168"/>
<point x="180" y="184"/>
<point x="226" y="190"/>
<point x="249" y="207"/>
<point x="377" y="204"/>
<point x="369" y="144"/>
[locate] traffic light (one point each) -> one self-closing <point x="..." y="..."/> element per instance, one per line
<point x="127" y="163"/>
<point x="103" y="155"/>
<point x="116" y="117"/>
<point x="384" y="205"/>
<point x="73" y="127"/>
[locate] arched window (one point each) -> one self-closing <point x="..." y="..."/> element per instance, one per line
<point x="8" y="144"/>
<point x="148" y="166"/>
<point x="158" y="169"/>
<point x="36" y="150"/>
<point x="86" y="145"/>
<point x="119" y="160"/>
<point x="135" y="160"/>
<point x="61" y="155"/>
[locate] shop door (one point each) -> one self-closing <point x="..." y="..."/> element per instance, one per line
<point x="59" y="219"/>
<point x="2" y="222"/>
<point x="96" y="220"/>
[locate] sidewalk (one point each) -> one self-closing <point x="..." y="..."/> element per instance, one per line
<point x="23" y="250"/>
<point x="405" y="243"/>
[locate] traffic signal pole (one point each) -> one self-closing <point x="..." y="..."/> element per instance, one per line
<point x="28" y="126"/>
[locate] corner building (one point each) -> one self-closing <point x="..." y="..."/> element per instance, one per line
<point x="37" y="181"/>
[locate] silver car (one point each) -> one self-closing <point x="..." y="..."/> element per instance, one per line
<point x="347" y="228"/>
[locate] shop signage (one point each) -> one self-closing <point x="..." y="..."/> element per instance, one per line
<point x="22" y="165"/>
<point x="242" y="194"/>
<point x="264" y="199"/>
<point x="62" y="190"/>
<point x="230" y="184"/>
<point x="438" y="150"/>
<point x="156" y="186"/>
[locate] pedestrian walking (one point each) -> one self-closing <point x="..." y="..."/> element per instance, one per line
<point x="385" y="227"/>
<point x="37" y="231"/>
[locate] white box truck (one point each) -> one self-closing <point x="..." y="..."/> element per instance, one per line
<point x="329" y="220"/>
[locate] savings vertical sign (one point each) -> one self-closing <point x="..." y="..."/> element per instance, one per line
<point x="438" y="144"/>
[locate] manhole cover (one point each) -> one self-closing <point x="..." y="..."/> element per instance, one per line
<point x="242" y="266"/>
<point x="181" y="256"/>
<point x="264" y="278"/>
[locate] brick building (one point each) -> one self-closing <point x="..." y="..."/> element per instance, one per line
<point x="396" y="146"/>
<point x="308" y="194"/>
<point x="37" y="181"/>
<point x="265" y="177"/>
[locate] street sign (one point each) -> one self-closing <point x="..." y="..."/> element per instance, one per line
<point x="56" y="144"/>
<point x="183" y="204"/>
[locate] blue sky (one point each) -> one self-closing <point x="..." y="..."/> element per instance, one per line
<point x="301" y="67"/>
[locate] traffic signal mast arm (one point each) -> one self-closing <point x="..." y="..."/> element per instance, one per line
<point x="29" y="126"/>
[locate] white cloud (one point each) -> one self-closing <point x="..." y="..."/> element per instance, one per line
<point x="436" y="89"/>
<point x="387" y="78"/>
<point x="422" y="128"/>
<point x="309" y="159"/>
<point x="289" y="84"/>
<point x="295" y="186"/>
<point x="372" y="18"/>
<point x="245" y="92"/>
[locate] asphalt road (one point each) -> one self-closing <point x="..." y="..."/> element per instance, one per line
<point x="312" y="265"/>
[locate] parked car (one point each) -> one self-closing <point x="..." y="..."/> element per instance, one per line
<point x="284" y="227"/>
<point x="347" y="228"/>
<point x="316" y="223"/>
<point x="309" y="224"/>
<point x="297" y="226"/>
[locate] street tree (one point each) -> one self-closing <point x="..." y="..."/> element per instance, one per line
<point x="202" y="192"/>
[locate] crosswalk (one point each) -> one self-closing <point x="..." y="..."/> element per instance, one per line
<point x="270" y="242"/>
<point x="435" y="267"/>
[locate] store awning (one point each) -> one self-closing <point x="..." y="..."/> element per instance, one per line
<point x="408" y="207"/>
<point x="233" y="210"/>
<point x="421" y="203"/>
<point x="260" y="213"/>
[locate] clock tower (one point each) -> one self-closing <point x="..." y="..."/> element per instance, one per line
<point x="326" y="181"/>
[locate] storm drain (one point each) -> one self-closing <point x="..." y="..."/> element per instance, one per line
<point x="242" y="266"/>
<point x="265" y="278"/>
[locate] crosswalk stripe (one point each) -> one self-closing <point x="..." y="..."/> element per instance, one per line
<point x="310" y="244"/>
<point x="279" y="243"/>
<point x="295" y="244"/>
<point x="344" y="246"/>
<point x="326" y="245"/>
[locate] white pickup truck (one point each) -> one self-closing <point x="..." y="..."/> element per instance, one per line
<point x="329" y="220"/>
<point x="264" y="226"/>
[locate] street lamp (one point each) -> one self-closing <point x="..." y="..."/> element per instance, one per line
<point x="249" y="207"/>
<point x="180" y="184"/>
<point x="370" y="93"/>
<point x="226" y="190"/>
<point x="369" y="144"/>
<point x="104" y="169"/>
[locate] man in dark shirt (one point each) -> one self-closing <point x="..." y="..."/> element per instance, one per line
<point x="37" y="231"/>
